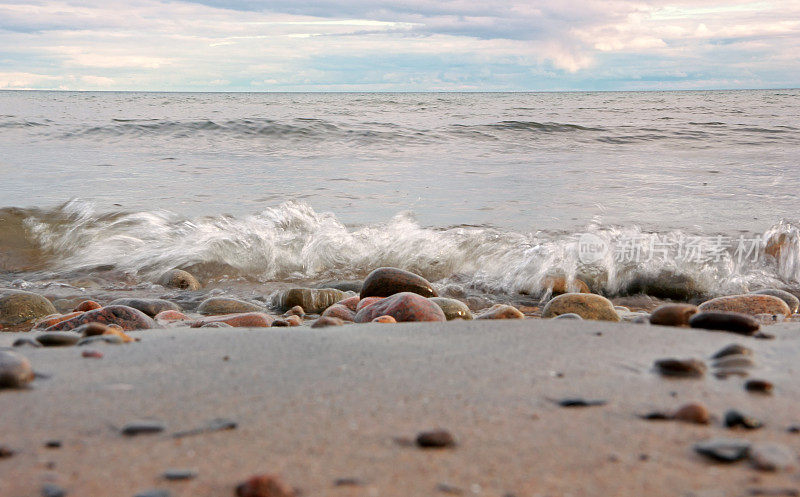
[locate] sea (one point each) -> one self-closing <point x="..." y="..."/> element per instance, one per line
<point x="484" y="194"/>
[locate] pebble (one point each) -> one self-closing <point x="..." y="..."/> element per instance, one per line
<point x="664" y="285"/>
<point x="264" y="486"/>
<point x="216" y="325"/>
<point x="343" y="285"/>
<point x="26" y="342"/>
<point x="312" y="300"/>
<point x="53" y="444"/>
<point x="142" y="428"/>
<point x="736" y="419"/>
<point x="569" y="315"/>
<point x="673" y="315"/>
<point x="580" y="402"/>
<point x="692" y="413"/>
<point x="403" y="307"/>
<point x="501" y="311"/>
<point x="449" y="489"/>
<point x="180" y="474"/>
<point x="772" y="457"/>
<point x="218" y="424"/>
<point x="723" y="373"/>
<point x="749" y="304"/>
<point x="92" y="354"/>
<point x="351" y="302"/>
<point x="18" y="308"/>
<point x="793" y="429"/>
<point x="294" y="320"/>
<point x="91" y="329"/>
<point x="280" y="323"/>
<point x="58" y="339"/>
<point x="298" y="311"/>
<point x="178" y="278"/>
<point x="764" y="336"/>
<point x="6" y="452"/>
<point x="127" y="318"/>
<point x="170" y="316"/>
<point x="791" y="301"/>
<point x="215" y="306"/>
<point x="367" y="301"/>
<point x="87" y="305"/>
<point x="734" y="361"/>
<point x="727" y="450"/>
<point x="325" y="321"/>
<point x="386" y="281"/>
<point x="586" y="305"/>
<point x="151" y="307"/>
<point x="154" y="493"/>
<point x="732" y="349"/>
<point x="238" y="320"/>
<point x="725" y="321"/>
<point x="452" y="308"/>
<point x="109" y="339"/>
<point x="340" y="311"/>
<point x="384" y="319"/>
<point x="348" y="482"/>
<point x="49" y="321"/>
<point x="687" y="368"/>
<point x="435" y="439"/>
<point x="52" y="490"/>
<point x="759" y="386"/>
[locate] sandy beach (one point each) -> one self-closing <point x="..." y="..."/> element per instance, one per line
<point x="320" y="405"/>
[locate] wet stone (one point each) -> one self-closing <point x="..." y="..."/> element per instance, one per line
<point x="312" y="300"/>
<point x="384" y="320"/>
<point x="681" y="368"/>
<point x="238" y="320"/>
<point x="452" y="308"/>
<point x="180" y="474"/>
<point x="791" y="301"/>
<point x="435" y="439"/>
<point x="142" y="428"/>
<point x="586" y="305"/>
<point x="403" y="307"/>
<point x="87" y="305"/>
<point x="692" y="413"/>
<point x="18" y="308"/>
<point x="732" y="349"/>
<point x="725" y="321"/>
<point x="673" y="315"/>
<point x="558" y="285"/>
<point x="224" y="305"/>
<point x="151" y="307"/>
<point x="343" y="285"/>
<point x="737" y="419"/>
<point x="726" y="450"/>
<point x="772" y="457"/>
<point x="501" y="311"/>
<point x="749" y="304"/>
<point x="178" y="278"/>
<point x="759" y="386"/>
<point x="15" y="370"/>
<point x="279" y="323"/>
<point x="295" y="311"/>
<point x="340" y="311"/>
<point x="264" y="486"/>
<point x="58" y="339"/>
<point x="127" y="318"/>
<point x="325" y="321"/>
<point x="386" y="281"/>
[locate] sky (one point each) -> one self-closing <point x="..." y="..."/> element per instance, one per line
<point x="399" y="45"/>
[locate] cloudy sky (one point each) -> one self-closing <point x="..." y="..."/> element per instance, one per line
<point x="405" y="45"/>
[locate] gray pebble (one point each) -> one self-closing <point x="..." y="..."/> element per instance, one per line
<point x="51" y="490"/>
<point x="26" y="342"/>
<point x="569" y="315"/>
<point x="58" y="338"/>
<point x="110" y="339"/>
<point x="154" y="493"/>
<point x="734" y="361"/>
<point x="726" y="450"/>
<point x="142" y="427"/>
<point x="772" y="457"/>
<point x="736" y="419"/>
<point x="180" y="474"/>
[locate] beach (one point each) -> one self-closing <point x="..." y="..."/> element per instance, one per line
<point x="319" y="405"/>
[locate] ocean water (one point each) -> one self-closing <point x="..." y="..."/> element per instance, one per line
<point x="481" y="192"/>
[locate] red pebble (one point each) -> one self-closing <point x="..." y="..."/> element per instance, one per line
<point x="239" y="320"/>
<point x="350" y="302"/>
<point x="384" y="319"/>
<point x="88" y="305"/>
<point x="170" y="316"/>
<point x="93" y="354"/>
<point x="367" y="301"/>
<point x="264" y="486"/>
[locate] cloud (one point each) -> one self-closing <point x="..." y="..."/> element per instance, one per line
<point x="397" y="45"/>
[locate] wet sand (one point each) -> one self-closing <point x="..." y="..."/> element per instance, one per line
<point x="317" y="405"/>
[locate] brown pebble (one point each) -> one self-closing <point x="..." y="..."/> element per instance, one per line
<point x="686" y="368"/>
<point x="673" y="315"/>
<point x="6" y="452"/>
<point x="280" y="323"/>
<point x="87" y="305"/>
<point x="732" y="349"/>
<point x="732" y="322"/>
<point x="264" y="486"/>
<point x="436" y="439"/>
<point x="325" y="321"/>
<point x="384" y="319"/>
<point x="15" y="370"/>
<point x="295" y="311"/>
<point x="764" y="336"/>
<point x="347" y="482"/>
<point x="758" y="386"/>
<point x="92" y="354"/>
<point x="294" y="320"/>
<point x="692" y="413"/>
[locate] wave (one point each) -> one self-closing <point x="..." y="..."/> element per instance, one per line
<point x="293" y="243"/>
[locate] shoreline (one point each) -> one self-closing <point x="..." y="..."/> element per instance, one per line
<point x="316" y="405"/>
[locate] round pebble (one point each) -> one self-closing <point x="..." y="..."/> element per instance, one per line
<point x="15" y="370"/>
<point x="725" y="321"/>
<point x="681" y="368"/>
<point x="692" y="413"/>
<point x="436" y="439"/>
<point x="759" y="386"/>
<point x="727" y="450"/>
<point x="58" y="338"/>
<point x="732" y="349"/>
